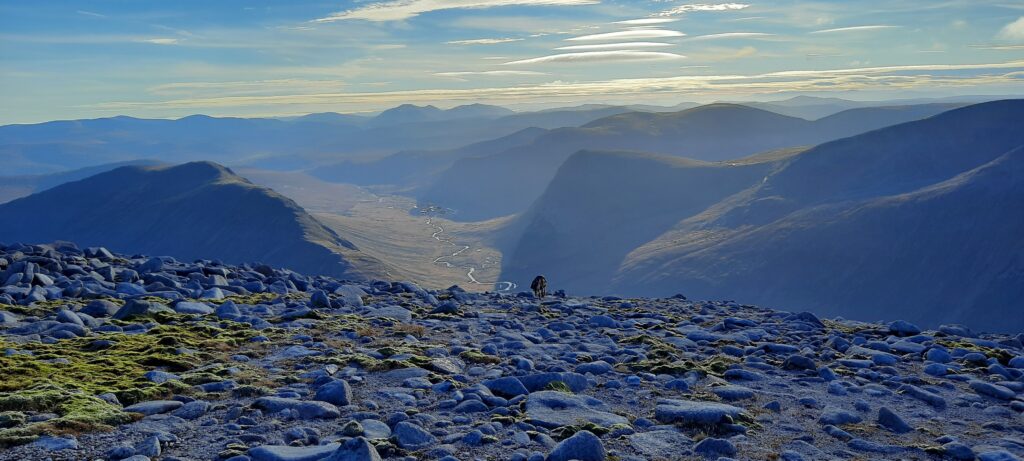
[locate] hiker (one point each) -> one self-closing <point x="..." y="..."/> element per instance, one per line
<point x="539" y="286"/>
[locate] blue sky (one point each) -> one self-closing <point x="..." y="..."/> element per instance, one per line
<point x="84" y="59"/>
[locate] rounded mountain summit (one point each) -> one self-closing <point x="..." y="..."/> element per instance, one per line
<point x="188" y="211"/>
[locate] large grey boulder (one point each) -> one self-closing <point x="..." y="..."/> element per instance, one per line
<point x="553" y="409"/>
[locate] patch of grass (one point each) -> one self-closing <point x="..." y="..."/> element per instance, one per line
<point x="558" y="386"/>
<point x="472" y="356"/>
<point x="79" y="364"/>
<point x="77" y="412"/>
<point x="252" y="299"/>
<point x="415" y="330"/>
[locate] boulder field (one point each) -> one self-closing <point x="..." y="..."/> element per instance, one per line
<point x="118" y="357"/>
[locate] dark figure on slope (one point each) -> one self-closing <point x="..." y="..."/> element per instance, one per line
<point x="539" y="286"/>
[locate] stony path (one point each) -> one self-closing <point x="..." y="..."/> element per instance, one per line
<point x="116" y="357"/>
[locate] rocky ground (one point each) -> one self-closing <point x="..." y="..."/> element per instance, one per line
<point x="115" y="357"/>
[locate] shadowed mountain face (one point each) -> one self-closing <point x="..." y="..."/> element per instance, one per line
<point x="195" y="210"/>
<point x="580" y="240"/>
<point x="918" y="221"/>
<point x="508" y="182"/>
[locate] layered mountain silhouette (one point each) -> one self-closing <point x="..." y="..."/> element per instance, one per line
<point x="190" y="211"/>
<point x="419" y="167"/>
<point x="280" y="144"/>
<point x="920" y="220"/>
<point x="508" y="182"/>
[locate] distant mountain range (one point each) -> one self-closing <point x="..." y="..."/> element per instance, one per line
<point x="297" y="143"/>
<point x="507" y="182"/>
<point x="189" y="211"/>
<point x="814" y="107"/>
<point x="919" y="221"/>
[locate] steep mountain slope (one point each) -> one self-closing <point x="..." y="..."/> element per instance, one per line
<point x="188" y="211"/>
<point x="508" y="182"/>
<point x="948" y="253"/>
<point x="593" y="215"/>
<point x="858" y="227"/>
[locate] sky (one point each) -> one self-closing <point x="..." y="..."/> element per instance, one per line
<point x="88" y="59"/>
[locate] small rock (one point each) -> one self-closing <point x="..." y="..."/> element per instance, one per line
<point x="903" y="328"/>
<point x="154" y="407"/>
<point x="56" y="443"/>
<point x="337" y="392"/>
<point x="890" y="420"/>
<point x="355" y="449"/>
<point x="412" y="437"/>
<point x="582" y="446"/>
<point x="305" y="409"/>
<point x="715" y="448"/>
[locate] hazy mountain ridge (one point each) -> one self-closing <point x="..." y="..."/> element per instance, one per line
<point x="907" y="253"/>
<point x="763" y="243"/>
<point x="12" y="187"/>
<point x="188" y="211"/>
<point x="508" y="182"/>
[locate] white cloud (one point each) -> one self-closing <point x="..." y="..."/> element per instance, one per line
<point x="693" y="7"/>
<point x="998" y="47"/>
<point x="646" y="21"/>
<point x="854" y="29"/>
<point x="405" y="9"/>
<point x="630" y="35"/>
<point x="1013" y="31"/>
<point x="161" y="41"/>
<point x="483" y="41"/>
<point x="599" y="56"/>
<point x="612" y="46"/>
<point x="729" y="35"/>
<point x="707" y="85"/>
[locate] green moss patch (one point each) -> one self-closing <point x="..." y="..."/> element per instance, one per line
<point x="76" y="412"/>
<point x="116" y="362"/>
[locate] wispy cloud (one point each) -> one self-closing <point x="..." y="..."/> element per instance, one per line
<point x="998" y="47"/>
<point x="490" y="73"/>
<point x="693" y="7"/>
<point x="161" y="41"/>
<point x="612" y="46"/>
<point x="1013" y="31"/>
<point x="646" y="21"/>
<point x="249" y="87"/>
<point x="730" y="35"/>
<point x="811" y="81"/>
<point x="629" y="35"/>
<point x="855" y="29"/>
<point x="600" y="56"/>
<point x="91" y="14"/>
<point x="483" y="41"/>
<point x="405" y="9"/>
<point x="725" y="54"/>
